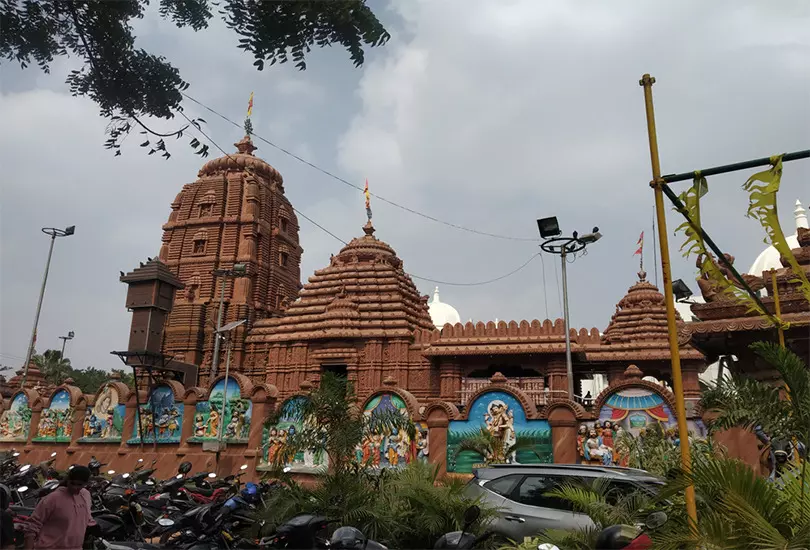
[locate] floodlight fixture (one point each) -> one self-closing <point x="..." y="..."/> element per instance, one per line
<point x="548" y="227"/>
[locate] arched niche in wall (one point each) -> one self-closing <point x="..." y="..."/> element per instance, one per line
<point x="160" y="416"/>
<point x="56" y="419"/>
<point x="497" y="419"/>
<point x="288" y="420"/>
<point x="392" y="447"/>
<point x="104" y="420"/>
<point x="15" y="421"/>
<point x="232" y="395"/>
<point x="630" y="405"/>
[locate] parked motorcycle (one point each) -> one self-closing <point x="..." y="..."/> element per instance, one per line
<point x="463" y="540"/>
<point x="629" y="537"/>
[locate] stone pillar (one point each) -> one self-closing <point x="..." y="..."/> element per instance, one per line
<point x="128" y="430"/>
<point x="563" y="435"/>
<point x="558" y="379"/>
<point x="33" y="426"/>
<point x="438" y="422"/>
<point x="263" y="405"/>
<point x="691" y="382"/>
<point x="77" y="427"/>
<point x="189" y="408"/>
<point x="450" y="374"/>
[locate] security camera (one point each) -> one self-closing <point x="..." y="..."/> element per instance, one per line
<point x="590" y="237"/>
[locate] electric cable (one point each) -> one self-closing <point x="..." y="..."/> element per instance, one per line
<point x="322" y="228"/>
<point x="359" y="188"/>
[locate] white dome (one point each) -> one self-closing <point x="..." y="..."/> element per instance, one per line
<point x="441" y="313"/>
<point x="769" y="258"/>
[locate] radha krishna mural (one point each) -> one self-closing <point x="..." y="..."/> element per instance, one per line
<point x="391" y="448"/>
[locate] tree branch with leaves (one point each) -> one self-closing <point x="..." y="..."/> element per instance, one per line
<point x="131" y="85"/>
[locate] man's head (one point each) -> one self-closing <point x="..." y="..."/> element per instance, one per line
<point x="77" y="479"/>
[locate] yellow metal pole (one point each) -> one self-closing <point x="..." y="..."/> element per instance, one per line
<point x="797" y="460"/>
<point x="777" y="309"/>
<point x="677" y="380"/>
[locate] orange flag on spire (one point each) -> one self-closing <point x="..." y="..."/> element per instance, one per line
<point x="368" y="200"/>
<point x="640" y="244"/>
<point x="250" y="105"/>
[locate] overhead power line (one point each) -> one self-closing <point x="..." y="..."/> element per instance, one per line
<point x="359" y="188"/>
<point x="322" y="228"/>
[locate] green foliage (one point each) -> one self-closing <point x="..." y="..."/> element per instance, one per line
<point x="130" y="84"/>
<point x="747" y="403"/>
<point x="125" y="377"/>
<point x="408" y="508"/>
<point x="332" y="424"/>
<point x="737" y="509"/>
<point x="655" y="451"/>
<point x="56" y="369"/>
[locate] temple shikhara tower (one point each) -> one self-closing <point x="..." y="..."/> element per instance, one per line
<point x="235" y="212"/>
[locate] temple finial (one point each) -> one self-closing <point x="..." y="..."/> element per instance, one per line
<point x="245" y="146"/>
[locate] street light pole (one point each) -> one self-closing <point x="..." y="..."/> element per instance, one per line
<point x="215" y="359"/>
<point x="569" y="365"/>
<point x="238" y="270"/>
<point x="64" y="342"/>
<point x="53" y="232"/>
<point x="555" y="244"/>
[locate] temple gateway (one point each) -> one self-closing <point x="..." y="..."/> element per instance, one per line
<point x="230" y="252"/>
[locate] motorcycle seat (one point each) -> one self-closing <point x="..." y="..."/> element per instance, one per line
<point x="203" y="491"/>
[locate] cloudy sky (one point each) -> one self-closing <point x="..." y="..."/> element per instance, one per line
<point x="486" y="114"/>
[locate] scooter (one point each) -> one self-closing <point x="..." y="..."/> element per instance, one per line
<point x="629" y="537"/>
<point x="462" y="540"/>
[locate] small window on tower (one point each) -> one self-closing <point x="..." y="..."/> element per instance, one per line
<point x="283" y="257"/>
<point x="199" y="246"/>
<point x="206" y="210"/>
<point x="284" y="224"/>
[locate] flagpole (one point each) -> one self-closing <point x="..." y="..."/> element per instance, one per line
<point x="655" y="250"/>
<point x="657" y="184"/>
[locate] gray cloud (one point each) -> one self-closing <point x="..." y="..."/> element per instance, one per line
<point x="487" y="114"/>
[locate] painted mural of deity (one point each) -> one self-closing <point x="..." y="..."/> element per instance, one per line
<point x="391" y="448"/>
<point x="56" y="422"/>
<point x="161" y="418"/>
<point x="104" y="421"/>
<point x="501" y="417"/>
<point x="274" y="437"/>
<point x="233" y="423"/>
<point x="15" y="422"/>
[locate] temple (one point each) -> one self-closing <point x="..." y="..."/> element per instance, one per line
<point x="362" y="316"/>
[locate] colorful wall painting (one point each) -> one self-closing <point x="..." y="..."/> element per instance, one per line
<point x="104" y="421"/>
<point x="56" y="422"/>
<point x="633" y="409"/>
<point x="290" y="421"/>
<point x="502" y="416"/>
<point x="629" y="410"/>
<point x="391" y="448"/>
<point x="161" y="418"/>
<point x="15" y="422"/>
<point x="236" y="421"/>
